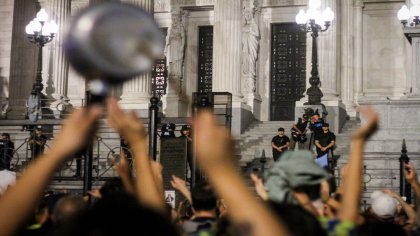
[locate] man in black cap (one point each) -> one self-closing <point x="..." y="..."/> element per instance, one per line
<point x="186" y="133"/>
<point x="37" y="142"/>
<point x="280" y="144"/>
<point x="168" y="130"/>
<point x="324" y="141"/>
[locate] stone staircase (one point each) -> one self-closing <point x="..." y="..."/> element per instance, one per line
<point x="257" y="138"/>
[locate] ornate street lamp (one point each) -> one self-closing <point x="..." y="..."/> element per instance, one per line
<point x="40" y="32"/>
<point x="314" y="21"/>
<point x="410" y="17"/>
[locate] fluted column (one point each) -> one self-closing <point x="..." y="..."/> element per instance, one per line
<point x="60" y="12"/>
<point x="358" y="46"/>
<point x="137" y="92"/>
<point x="227" y="47"/>
<point x="329" y="55"/>
<point x="347" y="58"/>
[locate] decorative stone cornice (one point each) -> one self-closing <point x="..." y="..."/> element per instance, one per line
<point x="168" y="5"/>
<point x="279" y="3"/>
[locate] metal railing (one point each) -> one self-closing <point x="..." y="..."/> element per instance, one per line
<point x="106" y="146"/>
<point x="18" y="109"/>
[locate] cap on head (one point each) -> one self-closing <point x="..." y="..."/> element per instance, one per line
<point x="383" y="205"/>
<point x="185" y="127"/>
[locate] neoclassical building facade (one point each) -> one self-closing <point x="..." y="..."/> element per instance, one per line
<point x="252" y="49"/>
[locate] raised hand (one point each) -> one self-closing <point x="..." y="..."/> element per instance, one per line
<point x="410" y="173"/>
<point x="122" y="167"/>
<point x="178" y="183"/>
<point x="215" y="157"/>
<point x="127" y="125"/>
<point x="213" y="142"/>
<point x="371" y="125"/>
<point x="76" y="130"/>
<point x="259" y="186"/>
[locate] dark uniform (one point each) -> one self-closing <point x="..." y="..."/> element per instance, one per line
<point x="279" y="141"/>
<point x="7" y="148"/>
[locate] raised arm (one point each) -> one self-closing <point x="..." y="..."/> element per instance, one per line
<point x="259" y="187"/>
<point x="123" y="170"/>
<point x="129" y="126"/>
<point x="411" y="177"/>
<point x="215" y="157"/>
<point x="411" y="214"/>
<point x="353" y="179"/>
<point x="18" y="203"/>
<point x="180" y="185"/>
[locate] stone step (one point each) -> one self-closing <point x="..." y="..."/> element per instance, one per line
<point x="259" y="134"/>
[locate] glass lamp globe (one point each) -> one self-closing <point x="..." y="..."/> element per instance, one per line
<point x="301" y="17"/>
<point x="404" y="13"/>
<point x="42" y="15"/>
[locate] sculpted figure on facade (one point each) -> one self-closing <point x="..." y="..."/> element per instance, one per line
<point x="175" y="46"/>
<point x="250" y="46"/>
<point x="161" y="5"/>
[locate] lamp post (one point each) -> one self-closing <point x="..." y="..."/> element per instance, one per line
<point x="40" y="32"/>
<point x="410" y="17"/>
<point x="314" y="21"/>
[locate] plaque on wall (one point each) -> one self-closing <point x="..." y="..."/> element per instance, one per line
<point x="173" y="158"/>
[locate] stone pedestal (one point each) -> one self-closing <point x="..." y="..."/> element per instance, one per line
<point x="251" y="96"/>
<point x="175" y="101"/>
<point x="336" y="113"/>
<point x="242" y="117"/>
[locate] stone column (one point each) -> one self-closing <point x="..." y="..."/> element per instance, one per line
<point x="227" y="47"/>
<point x="227" y="59"/>
<point x="329" y="58"/>
<point x="23" y="56"/>
<point x="60" y="13"/>
<point x="347" y="59"/>
<point x="358" y="46"/>
<point x="137" y="92"/>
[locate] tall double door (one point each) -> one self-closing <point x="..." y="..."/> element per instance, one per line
<point x="288" y="70"/>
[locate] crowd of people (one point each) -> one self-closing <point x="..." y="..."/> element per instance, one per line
<point x="294" y="197"/>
